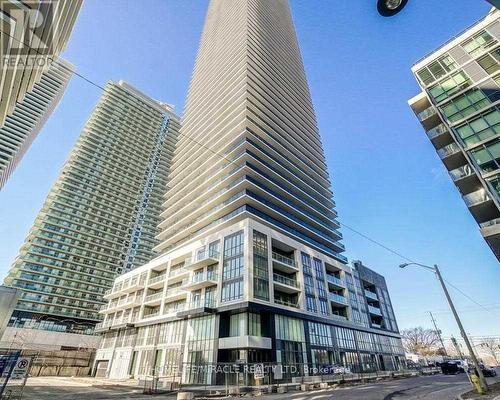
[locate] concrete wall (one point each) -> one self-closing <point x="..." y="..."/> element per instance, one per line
<point x="36" y="339"/>
<point x="8" y="301"/>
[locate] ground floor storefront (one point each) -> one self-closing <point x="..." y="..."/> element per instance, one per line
<point x="244" y="346"/>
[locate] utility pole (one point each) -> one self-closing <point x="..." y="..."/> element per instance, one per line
<point x="438" y="332"/>
<point x="482" y="381"/>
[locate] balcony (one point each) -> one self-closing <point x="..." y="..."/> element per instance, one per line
<point x="334" y="281"/>
<point x="286" y="303"/>
<point x="465" y="179"/>
<point x="198" y="307"/>
<point x="152" y="314"/>
<point x="436" y="132"/>
<point x="126" y="286"/>
<point x="426" y="114"/>
<point x="448" y="150"/>
<point x="199" y="281"/>
<point x="202" y="259"/>
<point x="153" y="299"/>
<point x="285" y="284"/>
<point x="157" y="281"/>
<point x="371" y="295"/>
<point x="284" y="264"/>
<point x="375" y="311"/>
<point x="102" y="326"/>
<point x="476" y="198"/>
<point x="337" y="299"/>
<point x="340" y="318"/>
<point x="452" y="156"/>
<point x="127" y="302"/>
<point x="175" y="293"/>
<point x="177" y="274"/>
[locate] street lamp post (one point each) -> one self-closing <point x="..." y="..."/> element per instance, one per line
<point x="436" y="270"/>
<point x="388" y="8"/>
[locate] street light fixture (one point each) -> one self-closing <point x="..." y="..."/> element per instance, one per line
<point x="436" y="270"/>
<point x="388" y="8"/>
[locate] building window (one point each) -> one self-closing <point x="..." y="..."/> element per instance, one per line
<point x="436" y="69"/>
<point x="488" y="156"/>
<point x="232" y="274"/>
<point x="451" y="85"/>
<point x="495" y="184"/>
<point x="490" y="62"/>
<point x="480" y="128"/>
<point x="311" y="304"/>
<point x="260" y="266"/>
<point x="466" y="104"/>
<point x="478" y="43"/>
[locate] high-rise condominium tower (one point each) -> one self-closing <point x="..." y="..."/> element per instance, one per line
<point x="101" y="216"/>
<point x="23" y="125"/>
<point x="252" y="269"/>
<point x="459" y="110"/>
<point x="32" y="35"/>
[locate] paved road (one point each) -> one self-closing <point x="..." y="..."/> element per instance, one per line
<point x="437" y="387"/>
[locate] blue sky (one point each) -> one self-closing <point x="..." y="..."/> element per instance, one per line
<point x="387" y="179"/>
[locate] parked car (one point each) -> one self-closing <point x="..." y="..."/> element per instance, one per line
<point x="452" y="367"/>
<point x="488" y="371"/>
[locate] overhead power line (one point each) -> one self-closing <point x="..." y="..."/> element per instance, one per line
<point x="222" y="156"/>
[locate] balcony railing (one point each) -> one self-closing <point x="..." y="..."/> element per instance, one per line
<point x="333" y="279"/>
<point x="286" y="303"/>
<point x="437" y="131"/>
<point x="175" y="291"/>
<point x="285" y="280"/>
<point x="152" y="314"/>
<point x="156" y="279"/>
<point x="153" y="297"/>
<point x="284" y="260"/>
<point x="477" y="197"/>
<point x="177" y="271"/>
<point x="493" y="222"/>
<point x="200" y="303"/>
<point x="337" y="298"/>
<point x="461" y="172"/>
<point x="203" y="256"/>
<point x="207" y="276"/>
<point x="371" y="295"/>
<point x="448" y="150"/>
<point x="428" y="112"/>
<point x="339" y="317"/>
<point x="374" y="310"/>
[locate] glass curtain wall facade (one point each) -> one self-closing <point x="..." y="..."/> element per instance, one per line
<point x="459" y="111"/>
<point x="100" y="217"/>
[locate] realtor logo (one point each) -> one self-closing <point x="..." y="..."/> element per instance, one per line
<point x="27" y="33"/>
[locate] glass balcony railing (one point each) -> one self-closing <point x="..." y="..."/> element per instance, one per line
<point x="427" y="113"/>
<point x="285" y="280"/>
<point x="201" y="302"/>
<point x="339" y="317"/>
<point x="448" y="150"/>
<point x="374" y="310"/>
<point x="178" y="271"/>
<point x="153" y="297"/>
<point x="336" y="281"/>
<point x="437" y="131"/>
<point x="176" y="291"/>
<point x="337" y="298"/>
<point x="287" y="303"/>
<point x="152" y="314"/>
<point x="493" y="222"/>
<point x="156" y="279"/>
<point x="202" y="256"/>
<point x="477" y="197"/>
<point x="208" y="276"/>
<point x="461" y="172"/>
<point x="284" y="260"/>
<point x="371" y="295"/>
